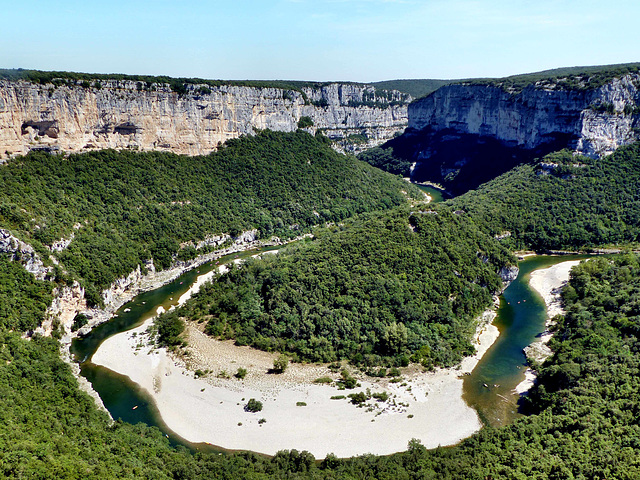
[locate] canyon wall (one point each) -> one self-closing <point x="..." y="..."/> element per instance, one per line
<point x="593" y="122"/>
<point x="463" y="135"/>
<point x="124" y="114"/>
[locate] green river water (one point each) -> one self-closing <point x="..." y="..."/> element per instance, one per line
<point x="435" y="194"/>
<point x="521" y="318"/>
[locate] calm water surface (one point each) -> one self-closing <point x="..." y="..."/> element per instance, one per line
<point x="435" y="194"/>
<point x="124" y="399"/>
<point x="521" y="319"/>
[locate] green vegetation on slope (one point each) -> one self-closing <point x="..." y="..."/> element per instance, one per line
<point x="388" y="285"/>
<point x="579" y="203"/>
<point x="129" y="207"/>
<point x="584" y="422"/>
<point x="570" y="78"/>
<point x="417" y="88"/>
<point x="384" y="159"/>
<point x="23" y="298"/>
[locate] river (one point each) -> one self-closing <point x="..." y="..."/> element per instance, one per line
<point x="521" y="318"/>
<point x="123" y="398"/>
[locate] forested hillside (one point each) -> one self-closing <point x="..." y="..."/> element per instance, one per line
<point x="563" y="202"/>
<point x="584" y="421"/>
<point x="394" y="285"/>
<point x="123" y="208"/>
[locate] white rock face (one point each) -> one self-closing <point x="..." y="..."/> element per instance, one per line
<point x="537" y="115"/>
<point x="126" y="115"/>
<point x="23" y="253"/>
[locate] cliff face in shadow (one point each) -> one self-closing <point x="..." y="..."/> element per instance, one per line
<point x="463" y="135"/>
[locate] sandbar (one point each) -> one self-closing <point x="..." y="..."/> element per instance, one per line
<point x="425" y="405"/>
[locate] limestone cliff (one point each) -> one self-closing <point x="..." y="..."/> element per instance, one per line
<point x="593" y="122"/>
<point x="25" y="254"/>
<point x="126" y="114"/>
<point x="496" y="127"/>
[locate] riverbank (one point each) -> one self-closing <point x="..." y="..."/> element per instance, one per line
<point x="548" y="282"/>
<point x="69" y="301"/>
<point x="298" y="413"/>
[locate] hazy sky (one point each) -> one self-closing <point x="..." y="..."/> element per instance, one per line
<point x="358" y="40"/>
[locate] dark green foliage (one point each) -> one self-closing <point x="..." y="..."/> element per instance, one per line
<point x="147" y="81"/>
<point x="384" y="159"/>
<point x="169" y="328"/>
<point x="241" y="373"/>
<point x="347" y="381"/>
<point x="130" y="206"/>
<point x="385" y="285"/>
<point x="23" y="298"/>
<point x="79" y="321"/>
<point x="322" y="103"/>
<point x="305" y="122"/>
<point x="253" y="406"/>
<point x="381" y="396"/>
<point x="579" y="203"/>
<point x="358" y="398"/>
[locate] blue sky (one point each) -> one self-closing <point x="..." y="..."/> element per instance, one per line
<point x="357" y="40"/>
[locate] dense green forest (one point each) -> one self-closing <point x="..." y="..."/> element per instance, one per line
<point x="563" y="202"/>
<point x="128" y="207"/>
<point x="384" y="159"/>
<point x="394" y="285"/>
<point x="583" y="422"/>
<point x="23" y="299"/>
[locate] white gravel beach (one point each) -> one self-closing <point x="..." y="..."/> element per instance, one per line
<point x="426" y="406"/>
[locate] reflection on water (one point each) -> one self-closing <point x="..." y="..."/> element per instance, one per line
<point x="521" y="318"/>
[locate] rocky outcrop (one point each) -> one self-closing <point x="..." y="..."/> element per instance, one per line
<point x="130" y="115"/>
<point x="23" y="253"/>
<point x="509" y="273"/>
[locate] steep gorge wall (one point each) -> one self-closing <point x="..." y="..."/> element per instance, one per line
<point x="593" y="122"/>
<point x="120" y="114"/>
<point x="464" y="135"/>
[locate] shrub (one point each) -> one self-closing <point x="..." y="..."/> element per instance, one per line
<point x="393" y="372"/>
<point x="358" y="398"/>
<point x="281" y="363"/>
<point x="347" y="380"/>
<point x="253" y="406"/>
<point x="323" y="380"/>
<point x="305" y="122"/>
<point x="381" y="397"/>
<point x="301" y="404"/>
<point x="241" y="373"/>
<point x="79" y="321"/>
